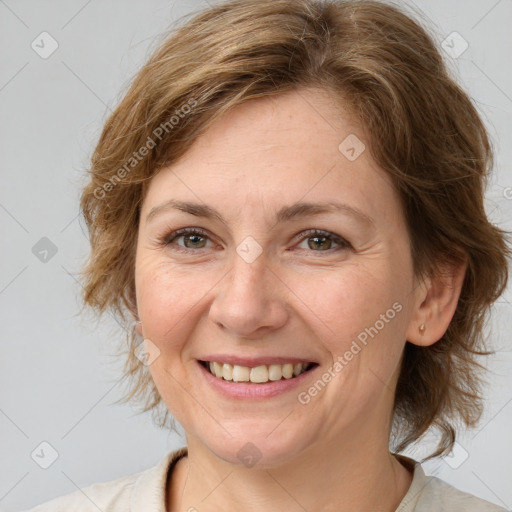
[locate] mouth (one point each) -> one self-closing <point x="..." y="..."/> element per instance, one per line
<point x="260" y="374"/>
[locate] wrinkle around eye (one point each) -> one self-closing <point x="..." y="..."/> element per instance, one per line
<point x="171" y="236"/>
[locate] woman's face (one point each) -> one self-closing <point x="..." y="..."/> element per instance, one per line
<point x="253" y="285"/>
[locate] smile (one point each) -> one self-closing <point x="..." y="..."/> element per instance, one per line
<point x="257" y="374"/>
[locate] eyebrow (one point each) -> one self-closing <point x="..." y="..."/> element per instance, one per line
<point x="286" y="213"/>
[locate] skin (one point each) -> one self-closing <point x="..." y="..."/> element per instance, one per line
<point x="301" y="297"/>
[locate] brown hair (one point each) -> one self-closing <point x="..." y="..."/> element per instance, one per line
<point x="423" y="130"/>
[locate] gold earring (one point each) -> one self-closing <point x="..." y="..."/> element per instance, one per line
<point x="422" y="329"/>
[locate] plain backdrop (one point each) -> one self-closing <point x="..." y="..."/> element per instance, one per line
<point x="58" y="377"/>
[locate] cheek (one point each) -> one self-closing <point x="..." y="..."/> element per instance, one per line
<point x="343" y="303"/>
<point x="166" y="297"/>
<point x="358" y="316"/>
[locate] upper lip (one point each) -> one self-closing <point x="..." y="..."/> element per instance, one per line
<point x="251" y="362"/>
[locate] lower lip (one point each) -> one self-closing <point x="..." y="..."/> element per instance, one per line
<point x="242" y="390"/>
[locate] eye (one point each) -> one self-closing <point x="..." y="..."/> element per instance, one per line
<point x="197" y="238"/>
<point x="193" y="238"/>
<point x="323" y="240"/>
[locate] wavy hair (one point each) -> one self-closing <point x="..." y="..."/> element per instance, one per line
<point x="423" y="130"/>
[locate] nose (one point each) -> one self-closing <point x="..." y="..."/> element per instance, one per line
<point x="250" y="302"/>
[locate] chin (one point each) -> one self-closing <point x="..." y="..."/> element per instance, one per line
<point x="253" y="448"/>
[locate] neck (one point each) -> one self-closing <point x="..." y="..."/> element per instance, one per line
<point x="360" y="474"/>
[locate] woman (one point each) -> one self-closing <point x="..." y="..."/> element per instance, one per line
<point x="289" y="203"/>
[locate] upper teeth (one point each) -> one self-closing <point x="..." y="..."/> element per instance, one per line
<point x="257" y="374"/>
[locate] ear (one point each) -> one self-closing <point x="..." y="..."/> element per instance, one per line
<point x="436" y="300"/>
<point x="138" y="328"/>
<point x="135" y="315"/>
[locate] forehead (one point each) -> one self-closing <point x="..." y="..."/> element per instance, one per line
<point x="278" y="150"/>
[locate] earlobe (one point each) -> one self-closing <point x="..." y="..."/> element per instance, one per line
<point x="437" y="301"/>
<point x="138" y="323"/>
<point x="132" y="307"/>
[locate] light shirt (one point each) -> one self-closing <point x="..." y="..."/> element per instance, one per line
<point x="146" y="492"/>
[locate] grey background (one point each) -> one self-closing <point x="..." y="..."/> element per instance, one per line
<point x="58" y="377"/>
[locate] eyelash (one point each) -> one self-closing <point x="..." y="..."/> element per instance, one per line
<point x="311" y="233"/>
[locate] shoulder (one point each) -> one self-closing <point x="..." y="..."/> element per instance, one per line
<point x="120" y="494"/>
<point x="102" y="496"/>
<point x="428" y="493"/>
<point x="439" y="495"/>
